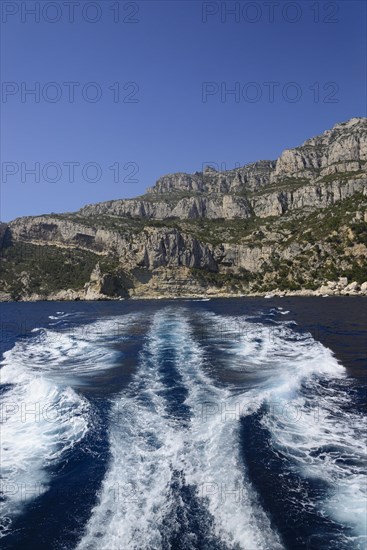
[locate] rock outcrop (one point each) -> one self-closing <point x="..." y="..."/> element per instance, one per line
<point x="341" y="149"/>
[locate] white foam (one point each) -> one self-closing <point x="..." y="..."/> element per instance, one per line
<point x="40" y="423"/>
<point x="42" y="416"/>
<point x="148" y="447"/>
<point x="144" y="445"/>
<point x="325" y="442"/>
<point x="62" y="315"/>
<point x="321" y="439"/>
<point x="212" y="457"/>
<point x="76" y="350"/>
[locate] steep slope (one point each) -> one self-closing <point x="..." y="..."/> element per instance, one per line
<point x="289" y="224"/>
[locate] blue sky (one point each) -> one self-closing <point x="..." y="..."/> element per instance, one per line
<point x="296" y="72"/>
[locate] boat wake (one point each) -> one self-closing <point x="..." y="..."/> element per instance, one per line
<point x="219" y="416"/>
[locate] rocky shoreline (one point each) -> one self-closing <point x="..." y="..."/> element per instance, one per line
<point x="330" y="288"/>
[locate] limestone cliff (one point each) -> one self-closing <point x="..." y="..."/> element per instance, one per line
<point x="290" y="224"/>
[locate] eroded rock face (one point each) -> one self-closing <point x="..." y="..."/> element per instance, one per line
<point x="102" y="285"/>
<point x="309" y="196"/>
<point x="50" y="230"/>
<point x="298" y="179"/>
<point x="169" y="247"/>
<point x="152" y="248"/>
<point x="341" y="149"/>
<point x="191" y="208"/>
<point x="252" y="176"/>
<point x="323" y="171"/>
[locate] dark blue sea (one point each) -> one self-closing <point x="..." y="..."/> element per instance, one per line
<point x="184" y="424"/>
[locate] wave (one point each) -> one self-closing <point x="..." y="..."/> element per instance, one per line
<point x="212" y="457"/>
<point x="79" y="350"/>
<point x="325" y="441"/>
<point x="42" y="416"/>
<point x="307" y="396"/>
<point x="40" y="423"/>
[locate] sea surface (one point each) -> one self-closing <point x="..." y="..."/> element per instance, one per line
<point x="184" y="424"/>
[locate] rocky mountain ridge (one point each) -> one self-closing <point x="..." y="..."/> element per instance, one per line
<point x="288" y="225"/>
<point x="323" y="170"/>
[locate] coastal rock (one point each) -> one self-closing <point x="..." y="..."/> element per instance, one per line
<point x="343" y="282"/>
<point x="105" y="285"/>
<point x="325" y="289"/>
<point x="352" y="288"/>
<point x="62" y="295"/>
<point x="332" y="285"/>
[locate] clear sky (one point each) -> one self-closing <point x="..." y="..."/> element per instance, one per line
<point x="151" y="90"/>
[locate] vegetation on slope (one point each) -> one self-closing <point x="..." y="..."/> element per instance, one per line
<point x="46" y="269"/>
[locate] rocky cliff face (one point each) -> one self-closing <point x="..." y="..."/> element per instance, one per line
<point x="292" y="222"/>
<point x="322" y="171"/>
<point x="341" y="149"/>
<point x="251" y="177"/>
